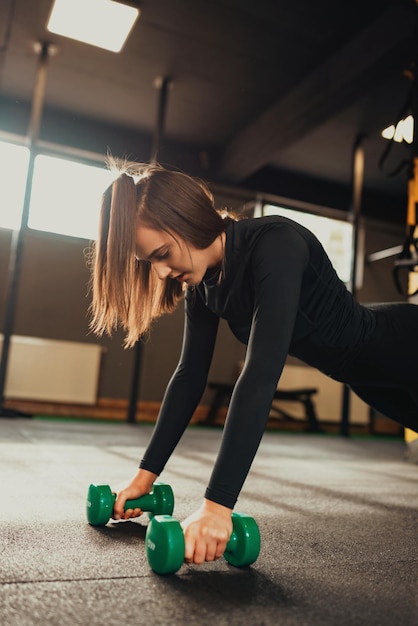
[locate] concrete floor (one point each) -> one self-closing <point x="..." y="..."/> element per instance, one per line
<point x="338" y="521"/>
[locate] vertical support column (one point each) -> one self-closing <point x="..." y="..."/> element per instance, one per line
<point x="411" y="437"/>
<point x="355" y="211"/>
<point x="16" y="246"/>
<point x="163" y="85"/>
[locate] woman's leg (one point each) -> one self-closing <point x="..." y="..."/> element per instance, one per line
<point x="385" y="373"/>
<point x="397" y="404"/>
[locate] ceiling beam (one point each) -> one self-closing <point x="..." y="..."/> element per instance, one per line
<point x="323" y="94"/>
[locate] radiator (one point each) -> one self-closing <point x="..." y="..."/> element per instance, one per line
<point x="52" y="371"/>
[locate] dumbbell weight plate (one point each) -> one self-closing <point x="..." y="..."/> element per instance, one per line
<point x="164" y="542"/>
<point x="165" y="499"/>
<point x="100" y="502"/>
<point x="244" y="545"/>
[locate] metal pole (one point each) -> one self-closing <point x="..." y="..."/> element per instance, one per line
<point x="357" y="186"/>
<point x="412" y="214"/>
<point x="163" y="85"/>
<point x="16" y="246"/>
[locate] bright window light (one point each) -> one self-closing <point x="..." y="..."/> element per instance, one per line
<point x="102" y="23"/>
<point x="334" y="235"/>
<point x="403" y="131"/>
<point x="66" y="196"/>
<point x="389" y="132"/>
<point x="13" y="174"/>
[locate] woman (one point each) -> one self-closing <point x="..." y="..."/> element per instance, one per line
<point x="161" y="238"/>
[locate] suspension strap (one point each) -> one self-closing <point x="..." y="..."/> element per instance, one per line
<point x="408" y="258"/>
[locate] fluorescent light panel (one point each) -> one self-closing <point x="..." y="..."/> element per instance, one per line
<point x="101" y="23"/>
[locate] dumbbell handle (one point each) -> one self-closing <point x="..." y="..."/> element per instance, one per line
<point x="145" y="503"/>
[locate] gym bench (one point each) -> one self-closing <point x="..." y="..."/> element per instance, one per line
<point x="223" y="393"/>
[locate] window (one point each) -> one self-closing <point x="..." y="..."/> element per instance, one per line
<point x="66" y="196"/>
<point x="335" y="236"/>
<point x="13" y="174"/>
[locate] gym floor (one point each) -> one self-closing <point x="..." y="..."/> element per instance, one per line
<point x="338" y="521"/>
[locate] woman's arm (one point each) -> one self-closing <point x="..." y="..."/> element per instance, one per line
<point x="186" y="386"/>
<point x="277" y="267"/>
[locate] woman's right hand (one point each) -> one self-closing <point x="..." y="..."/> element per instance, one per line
<point x="140" y="485"/>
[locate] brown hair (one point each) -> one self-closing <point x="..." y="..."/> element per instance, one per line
<point x="127" y="291"/>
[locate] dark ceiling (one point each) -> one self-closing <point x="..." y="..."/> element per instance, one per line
<point x="266" y="95"/>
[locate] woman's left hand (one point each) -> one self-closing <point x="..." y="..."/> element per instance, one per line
<point x="206" y="532"/>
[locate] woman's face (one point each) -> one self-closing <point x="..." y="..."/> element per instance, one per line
<point x="171" y="256"/>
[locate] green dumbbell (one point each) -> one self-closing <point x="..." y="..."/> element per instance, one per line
<point x="100" y="502"/>
<point x="165" y="544"/>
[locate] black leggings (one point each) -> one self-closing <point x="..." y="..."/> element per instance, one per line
<point x="385" y="373"/>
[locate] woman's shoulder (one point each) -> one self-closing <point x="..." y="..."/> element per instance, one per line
<point x="275" y="238"/>
<point x="275" y="227"/>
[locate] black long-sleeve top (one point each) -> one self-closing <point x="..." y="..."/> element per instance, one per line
<point x="280" y="295"/>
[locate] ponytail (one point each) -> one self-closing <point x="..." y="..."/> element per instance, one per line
<point x="114" y="257"/>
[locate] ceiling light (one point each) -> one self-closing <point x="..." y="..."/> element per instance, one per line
<point x="403" y="131"/>
<point x="102" y="23"/>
